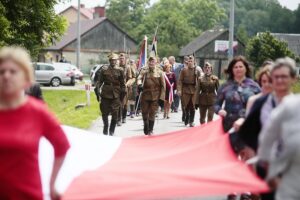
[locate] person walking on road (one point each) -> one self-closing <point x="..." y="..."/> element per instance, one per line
<point x="129" y="80"/>
<point x="235" y="92"/>
<point x="112" y="84"/>
<point x="170" y="89"/>
<point x="176" y="68"/>
<point x="132" y="88"/>
<point x="187" y="84"/>
<point x="151" y="84"/>
<point x="206" y="94"/>
<point x="23" y="122"/>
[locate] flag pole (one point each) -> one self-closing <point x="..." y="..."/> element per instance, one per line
<point x="146" y="48"/>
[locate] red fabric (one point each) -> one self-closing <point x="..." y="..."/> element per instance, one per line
<point x="188" y="163"/>
<point x="20" y="132"/>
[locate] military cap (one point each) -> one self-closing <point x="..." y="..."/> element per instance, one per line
<point x="151" y="58"/>
<point x="122" y="55"/>
<point x="113" y="56"/>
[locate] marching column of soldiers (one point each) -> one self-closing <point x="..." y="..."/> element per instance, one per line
<point x="120" y="85"/>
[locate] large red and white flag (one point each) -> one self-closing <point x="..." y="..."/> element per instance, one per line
<point x="193" y="162"/>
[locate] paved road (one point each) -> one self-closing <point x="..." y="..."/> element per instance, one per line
<point x="134" y="127"/>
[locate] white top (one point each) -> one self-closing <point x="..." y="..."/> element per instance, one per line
<point x="280" y="145"/>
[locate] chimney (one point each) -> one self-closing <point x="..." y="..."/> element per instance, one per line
<point x="99" y="12"/>
<point x="82" y="6"/>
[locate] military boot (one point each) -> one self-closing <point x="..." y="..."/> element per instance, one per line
<point x="183" y="116"/>
<point x="124" y="114"/>
<point x="151" y="125"/>
<point x="112" y="127"/>
<point x="105" y="123"/>
<point x="187" y="118"/>
<point x="191" y="120"/>
<point x="146" y="127"/>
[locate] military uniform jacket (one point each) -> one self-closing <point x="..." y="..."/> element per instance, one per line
<point x="111" y="82"/>
<point x="206" y="90"/>
<point x="154" y="84"/>
<point x="187" y="82"/>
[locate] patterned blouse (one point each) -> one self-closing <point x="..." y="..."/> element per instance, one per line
<point x="235" y="97"/>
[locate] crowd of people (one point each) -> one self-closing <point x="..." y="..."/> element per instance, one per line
<point x="245" y="104"/>
<point x="260" y="115"/>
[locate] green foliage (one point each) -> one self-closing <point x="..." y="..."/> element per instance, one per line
<point x="127" y="14"/>
<point x="179" y="21"/>
<point x="30" y="23"/>
<point x="63" y="102"/>
<point x="265" y="46"/>
<point x="242" y="34"/>
<point x="261" y="16"/>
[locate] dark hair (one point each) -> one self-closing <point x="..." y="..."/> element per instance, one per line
<point x="236" y="59"/>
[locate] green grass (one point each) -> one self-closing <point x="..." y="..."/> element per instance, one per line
<point x="296" y="87"/>
<point x="63" y="102"/>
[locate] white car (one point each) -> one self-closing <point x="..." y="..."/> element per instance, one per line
<point x="77" y="72"/>
<point x="49" y="74"/>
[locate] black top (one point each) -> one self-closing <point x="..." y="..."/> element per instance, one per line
<point x="249" y="131"/>
<point x="35" y="91"/>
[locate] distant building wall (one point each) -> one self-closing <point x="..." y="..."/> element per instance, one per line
<point x="71" y="15"/>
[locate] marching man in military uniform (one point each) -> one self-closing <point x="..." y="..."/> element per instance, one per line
<point x="186" y="89"/>
<point x="207" y="93"/>
<point x="129" y="78"/>
<point x="111" y="87"/>
<point x="151" y="84"/>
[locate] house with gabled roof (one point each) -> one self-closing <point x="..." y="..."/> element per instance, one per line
<point x="212" y="46"/>
<point x="99" y="37"/>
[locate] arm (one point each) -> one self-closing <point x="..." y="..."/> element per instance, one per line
<point x="175" y="82"/>
<point x="56" y="136"/>
<point x="281" y="162"/>
<point x="163" y="87"/>
<point x="56" y="167"/>
<point x="131" y="77"/>
<point x="179" y="85"/>
<point x="122" y="81"/>
<point x="220" y="99"/>
<point x="217" y="85"/>
<point x="198" y="88"/>
<point x="270" y="133"/>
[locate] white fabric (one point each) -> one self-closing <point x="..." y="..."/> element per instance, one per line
<point x="88" y="151"/>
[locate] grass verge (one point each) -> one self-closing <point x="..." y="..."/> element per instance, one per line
<point x="63" y="102"/>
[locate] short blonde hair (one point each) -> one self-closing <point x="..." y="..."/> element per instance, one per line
<point x="21" y="57"/>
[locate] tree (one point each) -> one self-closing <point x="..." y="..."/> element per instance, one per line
<point x="30" y="23"/>
<point x="179" y="22"/>
<point x="203" y="14"/>
<point x="127" y="14"/>
<point x="265" y="46"/>
<point x="242" y="34"/>
<point x="260" y="16"/>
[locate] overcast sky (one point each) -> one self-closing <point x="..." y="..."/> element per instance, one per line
<point x="291" y="4"/>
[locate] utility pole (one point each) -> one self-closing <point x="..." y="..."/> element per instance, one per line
<point x="231" y="31"/>
<point x="78" y="37"/>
